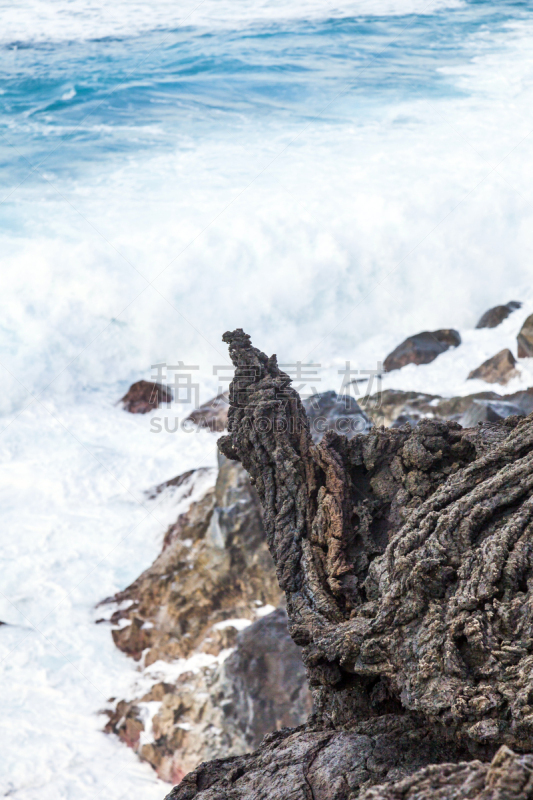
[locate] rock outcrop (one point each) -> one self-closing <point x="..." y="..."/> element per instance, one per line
<point x="422" y="348"/>
<point x="220" y="669"/>
<point x="406" y="557"/>
<point x="144" y="396"/>
<point x="495" y="316"/>
<point x="525" y="339"/>
<point x="497" y="369"/>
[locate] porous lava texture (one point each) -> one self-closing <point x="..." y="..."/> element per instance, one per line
<point x="406" y="556"/>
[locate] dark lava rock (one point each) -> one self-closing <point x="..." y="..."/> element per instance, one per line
<point x="525" y="339"/>
<point x="508" y="777"/>
<point x="328" y="411"/>
<point x="494" y="316"/>
<point x="497" y="369"/>
<point x="144" y="396"/>
<point x="406" y="557"/>
<point x="422" y="348"/>
<point x="212" y="415"/>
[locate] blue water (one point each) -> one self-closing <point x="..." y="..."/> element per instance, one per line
<point x="272" y="170"/>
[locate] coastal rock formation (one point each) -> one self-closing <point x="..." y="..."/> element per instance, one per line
<point x="525" y="339"/>
<point x="497" y="369"/>
<point x="495" y="316"/>
<point x="422" y="348"/>
<point x="406" y="557"/>
<point x="144" y="396"/>
<point x="220" y="669"/>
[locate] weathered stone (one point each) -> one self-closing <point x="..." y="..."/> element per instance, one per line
<point x="497" y="369"/>
<point x="144" y="396"/>
<point x="407" y="561"/>
<point x="508" y="777"/>
<point x="525" y="339"/>
<point x="329" y="411"/>
<point x="495" y="316"/>
<point x="421" y="348"/>
<point x="212" y="415"/>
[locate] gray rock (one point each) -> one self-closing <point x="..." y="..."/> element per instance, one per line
<point x="421" y="348"/>
<point x="328" y="411"/>
<point x="489" y="411"/>
<point x="495" y="316"/>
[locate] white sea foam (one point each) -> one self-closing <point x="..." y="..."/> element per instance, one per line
<point x="326" y="240"/>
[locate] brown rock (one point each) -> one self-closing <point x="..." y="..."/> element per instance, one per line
<point x="497" y="369"/>
<point x="525" y="339"/>
<point x="144" y="396"/>
<point x="214" y="565"/>
<point x="422" y="348"/>
<point x="494" y="316"/>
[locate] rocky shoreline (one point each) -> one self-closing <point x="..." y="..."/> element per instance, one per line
<point x="399" y="531"/>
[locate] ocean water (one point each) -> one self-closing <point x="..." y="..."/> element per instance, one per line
<point x="330" y="176"/>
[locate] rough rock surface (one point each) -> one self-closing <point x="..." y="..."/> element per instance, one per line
<point x="497" y="369"/>
<point x="422" y="348"/>
<point x="525" y="339"/>
<point x="406" y="557"/>
<point x="144" y="396"/>
<point x="495" y="316"/>
<point x="195" y="604"/>
<point x="508" y="777"/>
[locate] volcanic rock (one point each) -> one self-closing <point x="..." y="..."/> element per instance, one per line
<point x="494" y="316"/>
<point x="497" y="369"/>
<point x="489" y="411"/>
<point x="406" y="557"/>
<point x="144" y="396"/>
<point x="525" y="339"/>
<point x="422" y="348"/>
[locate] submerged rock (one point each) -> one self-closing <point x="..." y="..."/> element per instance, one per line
<point x="495" y="316"/>
<point x="406" y="559"/>
<point x="144" y="396"/>
<point x="422" y="348"/>
<point x="525" y="339"/>
<point x="497" y="369"/>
